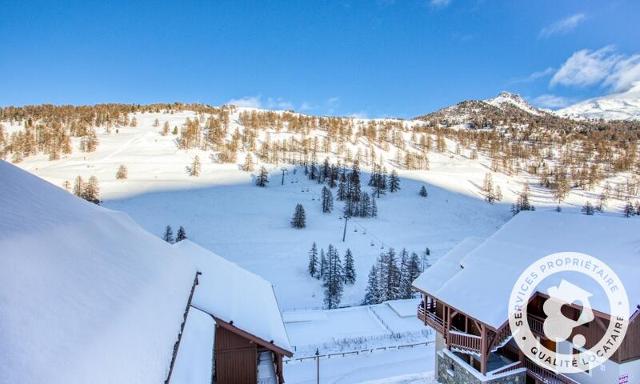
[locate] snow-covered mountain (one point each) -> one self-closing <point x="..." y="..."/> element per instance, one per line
<point x="514" y="100"/>
<point x="618" y="106"/>
<point x="502" y="110"/>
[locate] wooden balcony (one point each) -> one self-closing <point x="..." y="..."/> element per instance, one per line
<point x="431" y="319"/>
<point x="464" y="342"/>
<point x="535" y="324"/>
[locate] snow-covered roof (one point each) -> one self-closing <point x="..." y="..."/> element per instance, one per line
<point x="194" y="362"/>
<point x="231" y="293"/>
<point x="481" y="288"/>
<point x="448" y="265"/>
<point x="86" y="295"/>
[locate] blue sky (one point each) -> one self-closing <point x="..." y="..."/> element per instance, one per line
<point x="374" y="58"/>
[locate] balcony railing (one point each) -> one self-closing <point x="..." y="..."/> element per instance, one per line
<point x="464" y="341"/>
<point x="507" y="368"/>
<point x="501" y="338"/>
<point x="535" y="324"/>
<point x="431" y="319"/>
<point x="545" y="375"/>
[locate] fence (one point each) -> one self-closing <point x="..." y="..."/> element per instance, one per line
<point x="357" y="352"/>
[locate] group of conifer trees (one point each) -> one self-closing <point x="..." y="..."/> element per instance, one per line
<point x="168" y="235"/>
<point x="333" y="272"/>
<point x="522" y="203"/>
<point x="391" y="277"/>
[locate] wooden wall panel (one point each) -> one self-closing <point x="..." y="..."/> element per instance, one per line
<point x="236" y="358"/>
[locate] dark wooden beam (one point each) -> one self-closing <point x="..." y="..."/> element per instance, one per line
<point x="483" y="350"/>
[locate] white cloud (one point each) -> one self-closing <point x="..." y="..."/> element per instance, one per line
<point x="586" y="67"/>
<point x="258" y="102"/>
<point x="540" y="74"/>
<point x="565" y="25"/>
<point x="439" y="3"/>
<point x="625" y="73"/>
<point x="278" y="103"/>
<point x="551" y="101"/>
<point x="358" y="115"/>
<point x="535" y="76"/>
<point x="329" y="105"/>
<point x="306" y="106"/>
<point x="604" y="66"/>
<point x="247" y="101"/>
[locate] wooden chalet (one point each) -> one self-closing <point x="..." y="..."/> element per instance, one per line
<point x="465" y="297"/>
<point x="247" y="342"/>
<point x="240" y="355"/>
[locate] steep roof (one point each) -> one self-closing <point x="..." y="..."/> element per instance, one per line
<point x="446" y="266"/>
<point x="86" y="295"/>
<point x="231" y="293"/>
<point x="194" y="361"/>
<point x="482" y="285"/>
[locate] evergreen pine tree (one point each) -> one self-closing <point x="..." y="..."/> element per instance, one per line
<point x="327" y="200"/>
<point x="588" y="209"/>
<point x="313" y="171"/>
<point x="628" y="209"/>
<point x="378" y="181"/>
<point x="168" y="235"/>
<point x="323" y="264"/>
<point x="374" y="206"/>
<point x="394" y="182"/>
<point x="423" y="191"/>
<point x="349" y="269"/>
<point x="342" y="190"/>
<point x="263" y="177"/>
<point x="298" y="220"/>
<point x="313" y="261"/>
<point x="182" y="234"/>
<point x="354" y="191"/>
<point x="333" y="176"/>
<point x="405" y="279"/>
<point x="333" y="280"/>
<point x="372" y="293"/>
<point x="365" y="205"/>
<point x="414" y="267"/>
<point x="326" y="170"/>
<point x="389" y="279"/>
<point x="523" y="201"/>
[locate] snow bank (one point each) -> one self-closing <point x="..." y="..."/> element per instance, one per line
<point x="482" y="287"/>
<point x="86" y="295"/>
<point x="232" y="293"/>
<point x="360" y="327"/>
<point x="404" y="308"/>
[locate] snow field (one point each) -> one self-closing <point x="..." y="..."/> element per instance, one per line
<point x="353" y="328"/>
<point x="402" y="366"/>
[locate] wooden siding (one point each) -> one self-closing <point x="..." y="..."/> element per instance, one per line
<point x="236" y="358"/>
<point x="630" y="348"/>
